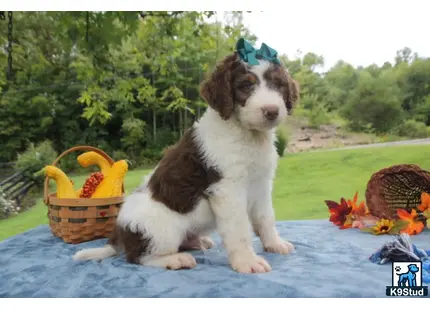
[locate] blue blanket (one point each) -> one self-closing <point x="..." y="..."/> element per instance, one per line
<point x="328" y="262"/>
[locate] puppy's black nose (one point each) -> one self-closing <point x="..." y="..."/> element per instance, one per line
<point x="271" y="112"/>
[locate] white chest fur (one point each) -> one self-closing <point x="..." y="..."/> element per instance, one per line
<point x="236" y="152"/>
<point x="248" y="160"/>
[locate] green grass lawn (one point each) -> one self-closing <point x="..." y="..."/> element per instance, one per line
<point x="305" y="180"/>
<point x="302" y="184"/>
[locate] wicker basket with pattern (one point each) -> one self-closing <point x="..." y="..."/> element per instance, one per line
<point x="82" y="219"/>
<point x="396" y="187"/>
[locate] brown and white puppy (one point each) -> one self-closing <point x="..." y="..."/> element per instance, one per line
<point x="218" y="177"/>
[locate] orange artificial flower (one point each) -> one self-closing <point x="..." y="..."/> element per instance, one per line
<point x="358" y="209"/>
<point x="425" y="202"/>
<point x="414" y="227"/>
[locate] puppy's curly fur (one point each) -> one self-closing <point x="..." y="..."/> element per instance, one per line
<point x="217" y="177"/>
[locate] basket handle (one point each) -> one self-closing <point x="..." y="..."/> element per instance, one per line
<point x="74" y="149"/>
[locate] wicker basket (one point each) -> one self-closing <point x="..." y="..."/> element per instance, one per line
<point x="82" y="219"/>
<point x="398" y="186"/>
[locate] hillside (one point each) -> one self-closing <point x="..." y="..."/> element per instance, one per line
<point x="304" y="137"/>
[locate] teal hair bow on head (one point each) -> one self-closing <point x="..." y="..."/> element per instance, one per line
<point x="250" y="55"/>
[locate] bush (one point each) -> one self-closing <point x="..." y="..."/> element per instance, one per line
<point x="281" y="142"/>
<point x="119" y="155"/>
<point x="7" y="207"/>
<point x="375" y="104"/>
<point x="412" y="129"/>
<point x="69" y="164"/>
<point x="314" y="110"/>
<point x="318" y="116"/>
<point x="36" y="157"/>
<point x="309" y="101"/>
<point x="165" y="137"/>
<point x="149" y="157"/>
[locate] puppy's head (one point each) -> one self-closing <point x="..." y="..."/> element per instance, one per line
<point x="258" y="96"/>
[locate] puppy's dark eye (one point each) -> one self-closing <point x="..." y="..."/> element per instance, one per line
<point x="247" y="86"/>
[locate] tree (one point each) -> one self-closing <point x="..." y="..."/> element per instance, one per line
<point x="128" y="82"/>
<point x="374" y="104"/>
<point x="340" y="81"/>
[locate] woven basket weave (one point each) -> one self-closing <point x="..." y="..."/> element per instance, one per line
<point x="396" y="187"/>
<point x="82" y="219"/>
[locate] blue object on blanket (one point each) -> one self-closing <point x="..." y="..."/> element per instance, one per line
<point x="328" y="262"/>
<point x="403" y="250"/>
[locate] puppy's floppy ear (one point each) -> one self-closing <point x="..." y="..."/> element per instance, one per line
<point x="293" y="95"/>
<point x="217" y="91"/>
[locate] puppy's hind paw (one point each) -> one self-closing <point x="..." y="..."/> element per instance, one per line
<point x="206" y="243"/>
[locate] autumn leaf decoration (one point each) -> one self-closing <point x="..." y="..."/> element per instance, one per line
<point x="413" y="226"/>
<point x="340" y="213"/>
<point x="424" y="207"/>
<point x="351" y="214"/>
<point x="358" y="208"/>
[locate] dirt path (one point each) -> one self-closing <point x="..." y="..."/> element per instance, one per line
<point x="407" y="142"/>
<point x="304" y="138"/>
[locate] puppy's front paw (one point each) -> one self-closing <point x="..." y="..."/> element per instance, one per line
<point x="280" y="246"/>
<point x="250" y="264"/>
<point x="180" y="261"/>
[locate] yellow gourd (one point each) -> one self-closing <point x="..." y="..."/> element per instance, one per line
<point x="92" y="158"/>
<point x="64" y="185"/>
<point x="111" y="186"/>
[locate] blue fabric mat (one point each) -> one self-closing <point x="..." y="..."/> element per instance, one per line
<point x="328" y="262"/>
